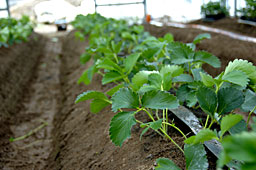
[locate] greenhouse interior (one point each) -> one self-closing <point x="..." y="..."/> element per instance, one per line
<point x="128" y="85"/>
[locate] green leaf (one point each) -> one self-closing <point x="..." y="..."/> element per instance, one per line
<point x="168" y="38"/>
<point x="207" y="79"/>
<point x="166" y="164"/>
<point x="195" y="157"/>
<point x="127" y="35"/>
<point x="229" y="99"/>
<point x="124" y="98"/>
<point x="159" y="100"/>
<point x="153" y="49"/>
<point x="201" y="137"/>
<point x="174" y="70"/>
<point x="97" y="105"/>
<point x="241" y="146"/>
<point x="112" y="91"/>
<point x="130" y="62"/>
<point x="87" y="76"/>
<point x="140" y="79"/>
<point x="243" y="65"/>
<point x="196" y="73"/>
<point x="155" y="80"/>
<point x="153" y="125"/>
<point x="236" y="77"/>
<point x="147" y="88"/>
<point x="228" y="122"/>
<point x="248" y="166"/>
<point x="108" y="64"/>
<point x="167" y="82"/>
<point x="192" y="46"/>
<point x="116" y="47"/>
<point x="84" y="58"/>
<point x="201" y="37"/>
<point x="207" y="99"/>
<point x="208" y="58"/>
<point x="191" y="99"/>
<point x="111" y="77"/>
<point x="154" y="83"/>
<point x="180" y="53"/>
<point x="84" y="78"/>
<point x="182" y="92"/>
<point x="250" y="101"/>
<point x="238" y="128"/>
<point x="90" y="95"/>
<point x="185" y="78"/>
<point x="120" y="127"/>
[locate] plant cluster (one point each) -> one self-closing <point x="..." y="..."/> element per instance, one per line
<point x="214" y="8"/>
<point x="14" y="31"/>
<point x="151" y="75"/>
<point x="249" y="12"/>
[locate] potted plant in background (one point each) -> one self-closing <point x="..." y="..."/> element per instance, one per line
<point x="249" y="12"/>
<point x="214" y="10"/>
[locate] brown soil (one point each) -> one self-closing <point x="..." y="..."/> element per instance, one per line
<point x="17" y="66"/>
<point x="38" y="104"/>
<point x="75" y="138"/>
<point x="82" y="137"/>
<point x="225" y="48"/>
<point x="230" y="24"/>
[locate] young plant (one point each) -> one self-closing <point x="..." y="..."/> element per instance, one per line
<point x="14" y="31"/>
<point x="195" y="156"/>
<point x="195" y="153"/>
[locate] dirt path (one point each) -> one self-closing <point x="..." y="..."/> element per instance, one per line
<point x="40" y="105"/>
<point x="75" y="138"/>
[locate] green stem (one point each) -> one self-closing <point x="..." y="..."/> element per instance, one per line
<point x="207" y="119"/>
<point x="218" y="87"/>
<point x="176" y="129"/>
<point x="115" y="56"/>
<point x="138" y="110"/>
<point x="29" y="133"/>
<point x="148" y="126"/>
<point x="249" y="117"/>
<point x="166" y="118"/>
<point x="172" y="140"/>
<point x="189" y="68"/>
<point x="151" y="117"/>
<point x="196" y="107"/>
<point x="126" y="80"/>
<point x="157" y="116"/>
<point x="101" y="73"/>
<point x="212" y="121"/>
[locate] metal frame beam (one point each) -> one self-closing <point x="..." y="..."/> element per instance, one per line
<point x="119" y="4"/>
<point x="7" y="8"/>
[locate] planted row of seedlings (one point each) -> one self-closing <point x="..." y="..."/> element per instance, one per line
<point x="15" y="31"/>
<point x="152" y="75"/>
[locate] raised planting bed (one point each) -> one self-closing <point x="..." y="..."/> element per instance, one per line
<point x="94" y="150"/>
<point x="230" y="24"/>
<point x="143" y="77"/>
<point x="227" y="49"/>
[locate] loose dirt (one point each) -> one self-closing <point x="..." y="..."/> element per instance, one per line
<point x="75" y="138"/>
<point x="39" y="105"/>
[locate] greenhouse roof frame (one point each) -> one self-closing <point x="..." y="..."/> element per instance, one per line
<point x="144" y="2"/>
<point x="7" y="8"/>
